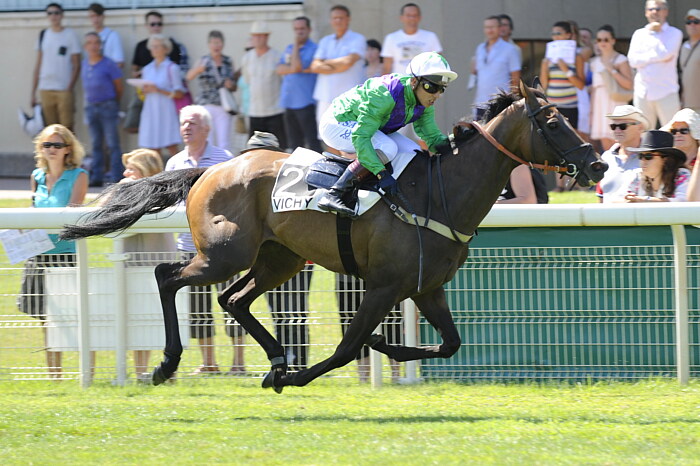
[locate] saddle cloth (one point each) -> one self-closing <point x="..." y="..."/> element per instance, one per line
<point x="291" y="192"/>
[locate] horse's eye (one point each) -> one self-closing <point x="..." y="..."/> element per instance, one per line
<point x="553" y="123"/>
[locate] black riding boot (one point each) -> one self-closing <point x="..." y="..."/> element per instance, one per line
<point x="332" y="201"/>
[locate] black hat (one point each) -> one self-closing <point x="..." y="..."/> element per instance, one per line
<point x="658" y="141"/>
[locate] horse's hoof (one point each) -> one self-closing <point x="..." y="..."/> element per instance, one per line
<point x="158" y="376"/>
<point x="374" y="339"/>
<point x="269" y="382"/>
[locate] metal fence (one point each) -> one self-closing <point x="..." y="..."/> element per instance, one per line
<point x="530" y="303"/>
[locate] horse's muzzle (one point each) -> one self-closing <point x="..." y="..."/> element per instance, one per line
<point x="592" y="173"/>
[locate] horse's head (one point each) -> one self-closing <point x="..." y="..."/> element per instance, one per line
<point x="554" y="140"/>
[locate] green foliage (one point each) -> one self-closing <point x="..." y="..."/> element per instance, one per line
<point x="334" y="421"/>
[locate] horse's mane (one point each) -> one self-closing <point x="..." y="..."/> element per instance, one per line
<point x="503" y="100"/>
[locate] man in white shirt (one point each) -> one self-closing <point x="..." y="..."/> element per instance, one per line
<point x="689" y="61"/>
<point x="337" y="60"/>
<point x="57" y="69"/>
<point x="401" y="46"/>
<point x="259" y="70"/>
<point x="653" y="52"/>
<point x="111" y="42"/>
<point x="497" y="65"/>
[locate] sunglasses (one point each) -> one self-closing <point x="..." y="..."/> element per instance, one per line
<point x="432" y="88"/>
<point x="54" y="12"/>
<point x="648" y="157"/>
<point x="602" y="39"/>
<point x="154" y="25"/>
<point x="57" y="145"/>
<point x="654" y="8"/>
<point x="682" y="131"/>
<point x="692" y="21"/>
<point x="622" y="126"/>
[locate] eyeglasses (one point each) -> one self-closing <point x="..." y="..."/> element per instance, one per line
<point x="654" y="8"/>
<point x="692" y="21"/>
<point x="602" y="39"/>
<point x="57" y="145"/>
<point x="432" y="88"/>
<point x="154" y="25"/>
<point x="681" y="130"/>
<point x="622" y="126"/>
<point x="649" y="156"/>
<point x="54" y="12"/>
<point x="558" y="33"/>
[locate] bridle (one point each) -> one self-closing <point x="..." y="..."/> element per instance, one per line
<point x="572" y="168"/>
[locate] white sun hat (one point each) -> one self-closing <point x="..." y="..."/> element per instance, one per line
<point x="431" y="64"/>
<point x="31" y="124"/>
<point x="687" y="116"/>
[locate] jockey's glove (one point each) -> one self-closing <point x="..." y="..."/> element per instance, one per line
<point x="387" y="183"/>
<point x="444" y="148"/>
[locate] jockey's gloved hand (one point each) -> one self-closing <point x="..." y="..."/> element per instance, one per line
<point x="444" y="148"/>
<point x="387" y="183"/>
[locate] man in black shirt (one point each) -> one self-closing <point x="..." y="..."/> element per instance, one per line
<point x="142" y="56"/>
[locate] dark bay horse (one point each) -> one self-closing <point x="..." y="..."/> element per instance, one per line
<point x="234" y="229"/>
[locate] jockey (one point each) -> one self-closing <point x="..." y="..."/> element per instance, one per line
<point x="364" y="120"/>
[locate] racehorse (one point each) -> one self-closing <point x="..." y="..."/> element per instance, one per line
<point x="234" y="229"/>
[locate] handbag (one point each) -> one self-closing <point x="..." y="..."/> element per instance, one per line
<point x="228" y="101"/>
<point x="616" y="92"/>
<point x="185" y="100"/>
<point x="240" y="126"/>
<point x="30" y="299"/>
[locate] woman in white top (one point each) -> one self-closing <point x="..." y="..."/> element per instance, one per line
<point x="662" y="177"/>
<point x="616" y="64"/>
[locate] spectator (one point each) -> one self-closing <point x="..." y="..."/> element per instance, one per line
<point x="652" y="53"/>
<point x="584" y="49"/>
<point x="524" y="186"/>
<point x="213" y="72"/>
<point x="337" y="60"/>
<point x="259" y="71"/>
<point x="662" y="177"/>
<point x="57" y="69"/>
<point x="159" y="126"/>
<point x="142" y="54"/>
<point x="506" y="32"/>
<point x="58" y="181"/>
<point x="147" y="249"/>
<point x="195" y="124"/>
<point x="689" y="61"/>
<point x="685" y="128"/>
<point x="110" y="40"/>
<point x="607" y="65"/>
<point x="627" y="125"/>
<point x="102" y="83"/>
<point x="401" y="46"/>
<point x="497" y="65"/>
<point x="373" y="61"/>
<point x="298" y="82"/>
<point x="562" y="79"/>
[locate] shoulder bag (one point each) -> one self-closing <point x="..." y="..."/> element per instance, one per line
<point x="228" y="100"/>
<point x="616" y="92"/>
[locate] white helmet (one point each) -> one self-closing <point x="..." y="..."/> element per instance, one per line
<point x="431" y="66"/>
<point x="31" y="125"/>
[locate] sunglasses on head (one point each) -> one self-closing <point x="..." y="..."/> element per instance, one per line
<point x="692" y="21"/>
<point x="622" y="126"/>
<point x="649" y="156"/>
<point x="57" y="145"/>
<point x="431" y="87"/>
<point x="54" y="12"/>
<point x="681" y="130"/>
<point x="156" y="24"/>
<point x="602" y="39"/>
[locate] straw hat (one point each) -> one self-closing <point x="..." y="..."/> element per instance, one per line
<point x="629" y="112"/>
<point x="260" y="27"/>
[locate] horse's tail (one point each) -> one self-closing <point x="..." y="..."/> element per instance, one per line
<point x="124" y="203"/>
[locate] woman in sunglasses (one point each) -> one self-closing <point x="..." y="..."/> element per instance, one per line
<point x="685" y="128"/>
<point x="661" y="176"/>
<point x="607" y="65"/>
<point x="364" y="121"/>
<point x="58" y="181"/>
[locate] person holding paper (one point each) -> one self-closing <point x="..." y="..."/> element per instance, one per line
<point x="561" y="72"/>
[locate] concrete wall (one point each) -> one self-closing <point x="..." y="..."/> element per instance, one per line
<point x="457" y="22"/>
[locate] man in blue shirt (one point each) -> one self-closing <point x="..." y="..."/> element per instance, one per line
<point x="102" y="82"/>
<point x="297" y="91"/>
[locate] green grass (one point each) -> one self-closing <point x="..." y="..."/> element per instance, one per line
<point x="573" y="197"/>
<point x="339" y="422"/>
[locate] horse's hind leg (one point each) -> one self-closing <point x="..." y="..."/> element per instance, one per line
<point x="433" y="306"/>
<point x="274" y="265"/>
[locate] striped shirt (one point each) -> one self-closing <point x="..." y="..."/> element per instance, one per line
<point x="182" y="160"/>
<point x="560" y="91"/>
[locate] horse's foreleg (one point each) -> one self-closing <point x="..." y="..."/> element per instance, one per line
<point x="374" y="307"/>
<point x="433" y="306"/>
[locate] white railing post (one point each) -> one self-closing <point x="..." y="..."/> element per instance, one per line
<point x="83" y="315"/>
<point x="680" y="273"/>
<point x="410" y="325"/>
<point x="121" y="311"/>
<point x="375" y="364"/>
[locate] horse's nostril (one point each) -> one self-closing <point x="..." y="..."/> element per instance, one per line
<point x="599" y="166"/>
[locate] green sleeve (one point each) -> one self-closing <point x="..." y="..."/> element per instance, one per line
<point x="373" y="111"/>
<point x="428" y="130"/>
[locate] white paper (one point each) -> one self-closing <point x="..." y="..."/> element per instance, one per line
<point x="21" y="245"/>
<point x="136" y="82"/>
<point x="564" y="49"/>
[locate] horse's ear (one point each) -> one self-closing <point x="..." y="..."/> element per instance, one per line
<point x="530" y="97"/>
<point x="537" y="85"/>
